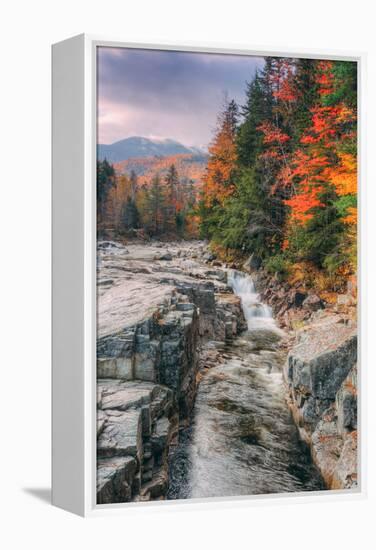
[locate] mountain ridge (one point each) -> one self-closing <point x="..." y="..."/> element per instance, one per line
<point x="139" y="147"/>
<point x="190" y="167"/>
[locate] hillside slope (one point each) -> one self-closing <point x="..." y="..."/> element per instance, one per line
<point x="142" y="147"/>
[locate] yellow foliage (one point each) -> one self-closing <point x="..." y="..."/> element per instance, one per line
<point x="329" y="297"/>
<point x="344" y="176"/>
<point x="298" y="273"/>
<point x="352" y="216"/>
<point x="221" y="165"/>
<point x="309" y="276"/>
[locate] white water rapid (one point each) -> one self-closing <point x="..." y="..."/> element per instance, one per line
<point x="242" y="440"/>
<point x="255" y="312"/>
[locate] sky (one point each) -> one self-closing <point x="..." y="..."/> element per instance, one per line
<point x="167" y="94"/>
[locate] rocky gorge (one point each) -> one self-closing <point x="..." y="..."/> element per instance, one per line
<point x="153" y="314"/>
<point x="193" y="375"/>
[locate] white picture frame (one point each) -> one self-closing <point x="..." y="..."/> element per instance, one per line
<point x="74" y="276"/>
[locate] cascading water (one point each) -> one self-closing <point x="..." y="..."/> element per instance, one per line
<point x="243" y="286"/>
<point x="242" y="440"/>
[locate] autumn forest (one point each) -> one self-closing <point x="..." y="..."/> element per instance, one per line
<point x="279" y="178"/>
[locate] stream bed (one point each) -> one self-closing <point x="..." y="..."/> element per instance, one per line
<point x="242" y="439"/>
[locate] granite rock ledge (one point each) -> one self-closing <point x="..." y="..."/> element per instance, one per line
<point x="153" y="317"/>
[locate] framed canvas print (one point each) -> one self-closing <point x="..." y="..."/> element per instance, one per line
<point x="205" y="275"/>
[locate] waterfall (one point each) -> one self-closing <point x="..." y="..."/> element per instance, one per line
<point x="242" y="439"/>
<point x="254" y="310"/>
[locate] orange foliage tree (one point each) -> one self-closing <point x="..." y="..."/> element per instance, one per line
<point x="221" y="168"/>
<point x="320" y="160"/>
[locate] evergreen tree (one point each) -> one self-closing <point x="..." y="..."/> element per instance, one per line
<point x="133" y="185"/>
<point x="105" y="182"/>
<point x="307" y="95"/>
<point x="130" y="218"/>
<point x="173" y="205"/>
<point x="244" y="221"/>
<point x="345" y="76"/>
<point x="249" y="138"/>
<point x="155" y="207"/>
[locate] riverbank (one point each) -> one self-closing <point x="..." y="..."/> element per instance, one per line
<point x="320" y="371"/>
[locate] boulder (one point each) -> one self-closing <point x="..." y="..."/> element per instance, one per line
<point x="298" y="298"/>
<point x="217" y="274"/>
<point x="313" y="303"/>
<point x="319" y="364"/>
<point x="321" y="376"/>
<point x="209" y="256"/>
<point x="253" y="263"/>
<point x="166" y="257"/>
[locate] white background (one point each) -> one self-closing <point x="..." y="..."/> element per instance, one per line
<point x="27" y="30"/>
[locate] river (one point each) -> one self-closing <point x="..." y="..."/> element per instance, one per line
<point x="242" y="439"/>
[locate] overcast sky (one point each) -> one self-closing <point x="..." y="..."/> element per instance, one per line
<point x="163" y="94"/>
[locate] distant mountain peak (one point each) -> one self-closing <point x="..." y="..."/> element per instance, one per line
<point x="138" y="147"/>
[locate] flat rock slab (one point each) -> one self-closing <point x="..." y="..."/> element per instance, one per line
<point x="130" y="302"/>
<point x="135" y="281"/>
<point x="122" y="434"/>
<point x="128" y="395"/>
<point x="324" y="335"/>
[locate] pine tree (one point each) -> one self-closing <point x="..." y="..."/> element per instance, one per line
<point x="173" y="205"/>
<point x="133" y="185"/>
<point x="105" y="182"/>
<point x="249" y="138"/>
<point x="130" y="218"/>
<point x="307" y="95"/>
<point x="244" y="222"/>
<point x="155" y="207"/>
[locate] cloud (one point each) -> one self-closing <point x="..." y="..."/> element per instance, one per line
<point x="166" y="93"/>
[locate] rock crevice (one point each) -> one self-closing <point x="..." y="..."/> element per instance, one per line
<point x="154" y="315"/>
